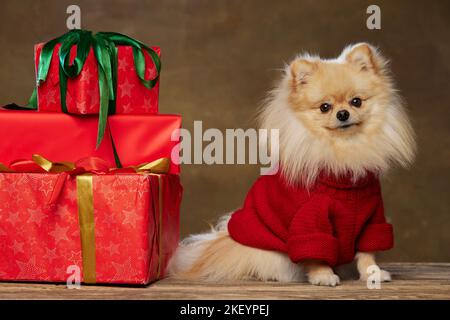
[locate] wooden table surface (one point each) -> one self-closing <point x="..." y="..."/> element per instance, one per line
<point x="410" y="281"/>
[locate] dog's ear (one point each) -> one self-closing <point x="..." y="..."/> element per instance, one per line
<point x="301" y="70"/>
<point x="366" y="58"/>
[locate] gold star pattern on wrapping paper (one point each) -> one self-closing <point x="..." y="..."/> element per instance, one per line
<point x="17" y="247"/>
<point x="34" y="179"/>
<point x="65" y="214"/>
<point x="46" y="187"/>
<point x="106" y="192"/>
<point x="112" y="248"/>
<point x="12" y="190"/>
<point x="98" y="231"/>
<point x="29" y="269"/>
<point x="13" y="218"/>
<point x="121" y="183"/>
<point x="59" y="233"/>
<point x="86" y="75"/>
<point x="36" y="216"/>
<point x="131" y="217"/>
<point x="109" y="221"/>
<point x="50" y="96"/>
<point x="123" y="64"/>
<point x="126" y="108"/>
<point x="124" y="271"/>
<point x="20" y="232"/>
<point x="125" y="89"/>
<point x="50" y="254"/>
<point x="143" y="255"/>
<point x="74" y="257"/>
<point x="22" y="180"/>
<point x="143" y="191"/>
<point x="60" y="272"/>
<point x="69" y="98"/>
<point x="148" y="104"/>
<point x="76" y="233"/>
<point x="72" y="195"/>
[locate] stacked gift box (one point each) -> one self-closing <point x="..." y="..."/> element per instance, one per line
<point x="86" y="177"/>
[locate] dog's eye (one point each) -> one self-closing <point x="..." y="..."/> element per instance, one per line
<point x="324" y="107"/>
<point x="356" y="102"/>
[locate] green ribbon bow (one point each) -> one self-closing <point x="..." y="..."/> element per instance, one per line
<point x="104" y="45"/>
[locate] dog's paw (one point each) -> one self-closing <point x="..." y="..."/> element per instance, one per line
<point x="385" y="276"/>
<point x="324" y="279"/>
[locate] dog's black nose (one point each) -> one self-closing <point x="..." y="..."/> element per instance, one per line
<point x="342" y="115"/>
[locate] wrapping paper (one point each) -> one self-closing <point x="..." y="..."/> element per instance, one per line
<point x="136" y="227"/>
<point x="83" y="95"/>
<point x="58" y="136"/>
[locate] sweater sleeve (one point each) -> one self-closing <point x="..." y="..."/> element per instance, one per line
<point x="377" y="234"/>
<point x="311" y="233"/>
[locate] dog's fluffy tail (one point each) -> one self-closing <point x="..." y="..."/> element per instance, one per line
<point x="215" y="256"/>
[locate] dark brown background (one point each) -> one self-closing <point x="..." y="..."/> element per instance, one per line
<point x="219" y="59"/>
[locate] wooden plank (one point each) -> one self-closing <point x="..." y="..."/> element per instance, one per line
<point x="411" y="281"/>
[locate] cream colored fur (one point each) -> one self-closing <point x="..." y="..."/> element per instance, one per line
<point x="214" y="256"/>
<point x="311" y="142"/>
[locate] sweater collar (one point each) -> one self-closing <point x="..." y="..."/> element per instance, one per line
<point x="346" y="181"/>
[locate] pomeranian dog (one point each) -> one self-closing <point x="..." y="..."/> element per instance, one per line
<point x="341" y="125"/>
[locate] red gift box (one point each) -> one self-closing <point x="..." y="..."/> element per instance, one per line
<point x="58" y="136"/>
<point x="136" y="227"/>
<point x="83" y="95"/>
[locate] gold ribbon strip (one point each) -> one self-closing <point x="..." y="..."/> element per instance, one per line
<point x="160" y="211"/>
<point x="160" y="165"/>
<point x="85" y="199"/>
<point x="53" y="167"/>
<point x="4" y="168"/>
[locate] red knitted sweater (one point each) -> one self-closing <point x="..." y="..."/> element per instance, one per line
<point x="330" y="222"/>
